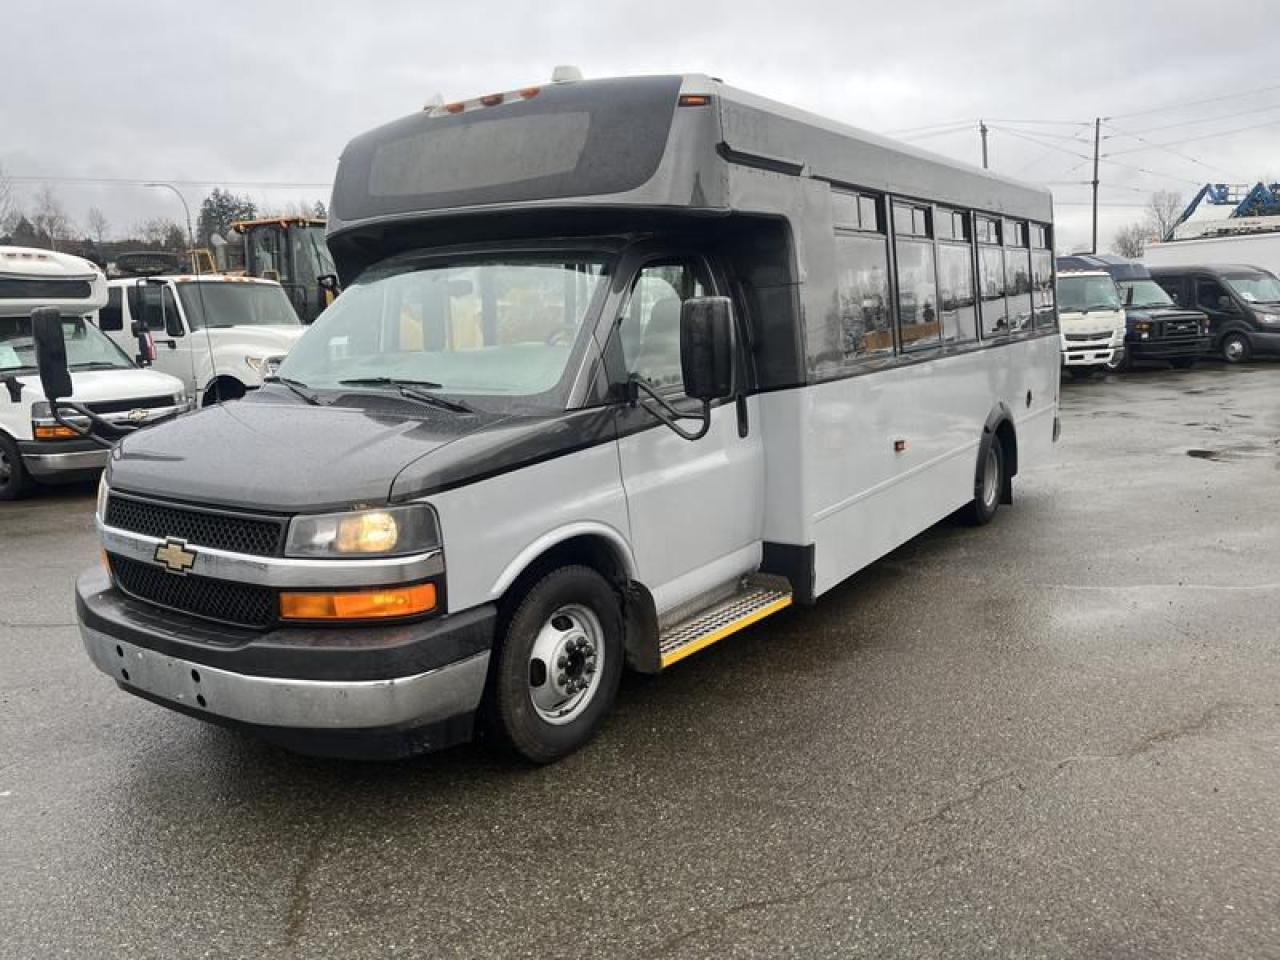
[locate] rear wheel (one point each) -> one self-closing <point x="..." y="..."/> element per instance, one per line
<point x="559" y="665"/>
<point x="1183" y="363"/>
<point x="1235" y="348"/>
<point x="987" y="485"/>
<point x="15" y="482"/>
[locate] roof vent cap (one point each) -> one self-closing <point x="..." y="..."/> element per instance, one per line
<point x="565" y="73"/>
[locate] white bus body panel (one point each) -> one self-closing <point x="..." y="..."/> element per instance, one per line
<point x="863" y="498"/>
<point x="87" y="386"/>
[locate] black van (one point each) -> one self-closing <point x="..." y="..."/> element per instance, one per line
<point x="1157" y="329"/>
<point x="1243" y="304"/>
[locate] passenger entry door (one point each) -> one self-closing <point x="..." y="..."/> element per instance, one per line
<point x="696" y="507"/>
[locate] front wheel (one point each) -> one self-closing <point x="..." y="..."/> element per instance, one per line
<point x="559" y="665"/>
<point x="1235" y="348"/>
<point x="15" y="482"/>
<point x="987" y="485"/>
<point x="1119" y="362"/>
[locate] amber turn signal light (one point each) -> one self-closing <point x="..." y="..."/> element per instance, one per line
<point x="52" y="432"/>
<point x="359" y="604"/>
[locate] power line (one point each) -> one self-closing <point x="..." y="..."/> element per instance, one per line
<point x="1036" y="140"/>
<point x="937" y="133"/>
<point x="1211" y="119"/>
<point x="1193" y="103"/>
<point x="143" y="181"/>
<point x="1207" y="136"/>
<point x="1178" y="153"/>
<point x="1153" y="173"/>
<point x="929" y="126"/>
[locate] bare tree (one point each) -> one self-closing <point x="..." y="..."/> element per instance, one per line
<point x="1130" y="241"/>
<point x="161" y="233"/>
<point x="50" y="219"/>
<point x="10" y="213"/>
<point x="98" y="225"/>
<point x="1163" y="210"/>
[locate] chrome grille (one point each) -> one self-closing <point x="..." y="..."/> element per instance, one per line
<point x="224" y="600"/>
<point x="235" y="533"/>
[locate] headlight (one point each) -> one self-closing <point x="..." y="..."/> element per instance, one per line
<point x="257" y="364"/>
<point x="390" y="531"/>
<point x="103" y="490"/>
<point x="1269" y="318"/>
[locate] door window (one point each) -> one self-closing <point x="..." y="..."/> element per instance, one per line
<point x="154" y="305"/>
<point x="650" y="327"/>
<point x="1210" y="295"/>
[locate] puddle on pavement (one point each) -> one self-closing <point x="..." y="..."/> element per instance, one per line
<point x="1242" y="451"/>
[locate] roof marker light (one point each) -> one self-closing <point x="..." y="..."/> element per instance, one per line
<point x="492" y="100"/>
<point x="529" y="93"/>
<point x="455" y="107"/>
<point x="694" y="100"/>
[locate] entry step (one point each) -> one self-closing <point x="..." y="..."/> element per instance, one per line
<point x="754" y="599"/>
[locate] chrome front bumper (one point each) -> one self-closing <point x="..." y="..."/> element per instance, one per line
<point x="56" y="464"/>
<point x="419" y="699"/>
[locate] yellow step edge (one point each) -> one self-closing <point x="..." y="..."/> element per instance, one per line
<point x="755" y="616"/>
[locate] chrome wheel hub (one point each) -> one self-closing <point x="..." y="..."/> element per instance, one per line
<point x="565" y="664"/>
<point x="1235" y="349"/>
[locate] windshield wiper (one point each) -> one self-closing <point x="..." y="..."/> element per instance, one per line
<point x="407" y="389"/>
<point x="95" y="365"/>
<point x="297" y="386"/>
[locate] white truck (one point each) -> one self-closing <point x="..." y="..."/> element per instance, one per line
<point x="1257" y="249"/>
<point x="34" y="444"/>
<point x="1091" y="322"/>
<point x="220" y="335"/>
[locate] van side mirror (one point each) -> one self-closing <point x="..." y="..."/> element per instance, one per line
<point x="51" y="352"/>
<point x="707" y="344"/>
<point x="1226" y="304"/>
<point x="1128" y="297"/>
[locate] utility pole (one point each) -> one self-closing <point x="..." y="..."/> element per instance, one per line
<point x="1097" y="140"/>
<point x="982" y="129"/>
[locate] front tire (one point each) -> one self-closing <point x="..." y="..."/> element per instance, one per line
<point x="987" y="486"/>
<point x="559" y="665"/>
<point x="1236" y="348"/>
<point x="15" y="482"/>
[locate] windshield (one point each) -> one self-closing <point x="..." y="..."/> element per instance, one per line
<point x="235" y="304"/>
<point x="500" y="332"/>
<point x="87" y="347"/>
<point x="1146" y="293"/>
<point x="1254" y="287"/>
<point x="1078" y="294"/>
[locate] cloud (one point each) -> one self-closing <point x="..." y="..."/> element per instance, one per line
<point x="253" y="91"/>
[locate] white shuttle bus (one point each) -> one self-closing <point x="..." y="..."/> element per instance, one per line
<point x="34" y="446"/>
<point x="621" y="367"/>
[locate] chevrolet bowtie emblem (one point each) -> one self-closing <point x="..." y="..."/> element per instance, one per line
<point x="175" y="556"/>
<point x="137" y="416"/>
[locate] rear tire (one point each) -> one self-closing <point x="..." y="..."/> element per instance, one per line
<point x="987" y="486"/>
<point x="558" y="665"/>
<point x="1183" y="363"/>
<point x="15" y="482"/>
<point x="1236" y="348"/>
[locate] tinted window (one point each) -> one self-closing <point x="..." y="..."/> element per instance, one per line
<point x="863" y="326"/>
<point x="572" y="139"/>
<point x="917" y="294"/>
<point x="111" y="317"/>
<point x="1017" y="285"/>
<point x="991" y="287"/>
<point x="1254" y="287"/>
<point x="955" y="274"/>
<point x="1173" y="287"/>
<point x="1042" y="288"/>
<point x="153" y="305"/>
<point x="650" y="328"/>
<point x="1210" y="295"/>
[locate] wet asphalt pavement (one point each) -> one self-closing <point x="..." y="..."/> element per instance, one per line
<point x="1056" y="736"/>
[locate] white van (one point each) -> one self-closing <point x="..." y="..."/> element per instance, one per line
<point x="34" y="445"/>
<point x="220" y="335"/>
<point x="1091" y="319"/>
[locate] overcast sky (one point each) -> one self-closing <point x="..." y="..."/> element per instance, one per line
<point x="269" y="91"/>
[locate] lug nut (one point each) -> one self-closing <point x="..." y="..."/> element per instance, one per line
<point x="562" y="680"/>
<point x="562" y="662"/>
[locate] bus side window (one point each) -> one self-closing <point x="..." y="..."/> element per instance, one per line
<point x="650" y="327"/>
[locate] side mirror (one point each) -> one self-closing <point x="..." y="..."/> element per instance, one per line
<point x="707" y="343"/>
<point x="146" y="345"/>
<point x="329" y="289"/>
<point x="51" y="352"/>
<point x="1226" y="305"/>
<point x="1128" y="297"/>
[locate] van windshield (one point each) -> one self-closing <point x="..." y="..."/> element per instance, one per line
<point x="1254" y="287"/>
<point x="1146" y="293"/>
<point x="499" y="331"/>
<point x="235" y="304"/>
<point x="1082" y="294"/>
<point x="87" y="347"/>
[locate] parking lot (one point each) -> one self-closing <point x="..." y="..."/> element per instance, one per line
<point x="1053" y="736"/>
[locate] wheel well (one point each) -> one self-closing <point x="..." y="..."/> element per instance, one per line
<point x="222" y="388"/>
<point x="1008" y="446"/>
<point x="584" y="550"/>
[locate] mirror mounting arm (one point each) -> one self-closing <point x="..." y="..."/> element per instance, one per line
<point x="666" y="413"/>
